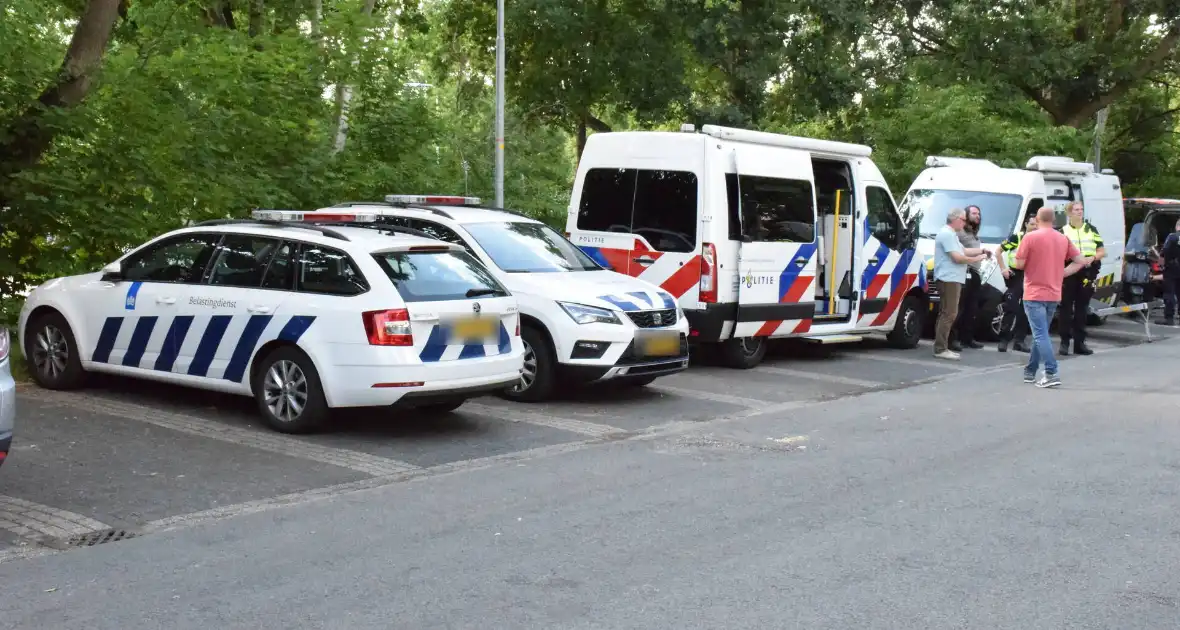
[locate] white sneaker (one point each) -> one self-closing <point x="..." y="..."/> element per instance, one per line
<point x="949" y="355"/>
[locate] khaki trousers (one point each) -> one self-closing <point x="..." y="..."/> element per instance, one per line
<point x="948" y="310"/>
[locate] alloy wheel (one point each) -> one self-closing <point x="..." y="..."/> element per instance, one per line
<point x="51" y="352"/>
<point x="528" y="375"/>
<point x="285" y="390"/>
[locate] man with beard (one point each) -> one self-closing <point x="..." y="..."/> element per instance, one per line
<point x="969" y="300"/>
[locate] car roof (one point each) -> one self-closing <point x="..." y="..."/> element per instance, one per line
<point x="459" y="214"/>
<point x="322" y="234"/>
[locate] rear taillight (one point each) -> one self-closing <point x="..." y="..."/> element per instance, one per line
<point x="388" y="328"/>
<point x="518" y="326"/>
<point x="3" y="343"/>
<point x="708" y="274"/>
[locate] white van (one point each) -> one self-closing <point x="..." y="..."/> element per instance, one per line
<point x="758" y="235"/>
<point x="1006" y="197"/>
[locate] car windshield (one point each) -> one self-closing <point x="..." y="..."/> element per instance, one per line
<point x="518" y="247"/>
<point x="435" y="276"/>
<point x="999" y="212"/>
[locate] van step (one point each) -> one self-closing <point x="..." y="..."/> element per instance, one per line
<point x="826" y="339"/>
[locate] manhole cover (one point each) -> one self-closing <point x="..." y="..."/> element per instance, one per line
<point x="98" y="538"/>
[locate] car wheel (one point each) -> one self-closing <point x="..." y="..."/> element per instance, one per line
<point x="52" y="353"/>
<point x="989" y="323"/>
<point x="743" y="353"/>
<point x="907" y="330"/>
<point x="537" y="377"/>
<point x="441" y="407"/>
<point x="288" y="391"/>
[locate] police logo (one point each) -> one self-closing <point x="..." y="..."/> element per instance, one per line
<point x="475" y="307"/>
<point x="131" y="301"/>
<point x="750" y="280"/>
<point x="657" y="319"/>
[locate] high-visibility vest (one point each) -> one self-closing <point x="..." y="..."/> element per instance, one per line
<point x="1085" y="238"/>
<point x="1010" y="251"/>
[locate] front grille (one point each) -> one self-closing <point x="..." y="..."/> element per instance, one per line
<point x="653" y="319"/>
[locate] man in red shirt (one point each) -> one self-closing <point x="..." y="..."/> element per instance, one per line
<point x="1040" y="255"/>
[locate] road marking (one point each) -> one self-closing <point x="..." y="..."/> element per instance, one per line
<point x="740" y="401"/>
<point x="592" y="429"/>
<point x="262" y="440"/>
<point x="893" y="357"/>
<point x="816" y="376"/>
<point x="28" y="520"/>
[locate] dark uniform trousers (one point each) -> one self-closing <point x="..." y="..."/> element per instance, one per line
<point x="1076" y="292"/>
<point x="1015" y="323"/>
<point x="1171" y="289"/>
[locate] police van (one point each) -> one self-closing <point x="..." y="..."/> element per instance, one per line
<point x="302" y="316"/>
<point x="1006" y="197"/>
<point x="580" y="323"/>
<point x="757" y="235"/>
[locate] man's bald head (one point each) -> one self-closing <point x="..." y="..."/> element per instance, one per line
<point x="1045" y="216"/>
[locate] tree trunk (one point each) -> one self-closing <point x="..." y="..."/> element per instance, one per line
<point x="257" y="17"/>
<point x="344" y="95"/>
<point x="581" y="139"/>
<point x="30" y="135"/>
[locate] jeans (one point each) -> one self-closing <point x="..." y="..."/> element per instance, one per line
<point x="1039" y="315"/>
<point x="948" y="307"/>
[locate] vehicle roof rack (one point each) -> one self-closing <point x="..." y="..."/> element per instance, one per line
<point x="782" y="140"/>
<point x="389" y="227"/>
<point x="303" y="225"/>
<point x="349" y="204"/>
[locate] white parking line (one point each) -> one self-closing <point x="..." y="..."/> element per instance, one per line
<point x="894" y="356"/>
<point x="28" y="519"/>
<point x="516" y="414"/>
<point x="817" y="376"/>
<point x="212" y="429"/>
<point x="740" y="401"/>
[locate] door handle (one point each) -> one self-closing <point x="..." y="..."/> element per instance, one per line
<point x="259" y="310"/>
<point x="165" y="300"/>
<point x="874" y="260"/>
<point x="643" y="260"/>
<point x="800" y="261"/>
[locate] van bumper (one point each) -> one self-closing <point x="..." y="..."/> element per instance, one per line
<point x="708" y="324"/>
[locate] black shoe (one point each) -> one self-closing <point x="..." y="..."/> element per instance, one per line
<point x="1165" y="322"/>
<point x="954" y="347"/>
<point x="1063" y="350"/>
<point x="974" y="345"/>
<point x="1082" y="349"/>
<point x="1003" y="347"/>
<point x="1020" y="346"/>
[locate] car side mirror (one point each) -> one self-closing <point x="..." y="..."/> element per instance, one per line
<point x="112" y="272"/>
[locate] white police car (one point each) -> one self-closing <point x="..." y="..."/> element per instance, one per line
<point x="580" y="322"/>
<point x="302" y="316"/>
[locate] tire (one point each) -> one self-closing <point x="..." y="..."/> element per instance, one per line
<point x="440" y="408"/>
<point x="989" y="323"/>
<point x="52" y="353"/>
<point x="743" y="353"/>
<point x="907" y="330"/>
<point x="539" y="359"/>
<point x="290" y="368"/>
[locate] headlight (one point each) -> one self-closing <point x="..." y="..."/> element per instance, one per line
<point x="589" y="314"/>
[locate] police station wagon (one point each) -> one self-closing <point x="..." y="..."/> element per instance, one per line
<point x="301" y="316"/>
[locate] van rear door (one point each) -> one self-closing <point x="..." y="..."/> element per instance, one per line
<point x="777" y="262"/>
<point x="1103" y="203"/>
<point x="642" y="221"/>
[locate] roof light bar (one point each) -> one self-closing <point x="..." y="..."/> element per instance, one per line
<point x="316" y="217"/>
<point x="1057" y="164"/>
<point x="435" y="200"/>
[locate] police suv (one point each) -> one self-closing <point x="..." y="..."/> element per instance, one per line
<point x="302" y="316"/>
<point x="580" y="322"/>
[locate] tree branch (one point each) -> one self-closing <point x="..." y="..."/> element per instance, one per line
<point x="596" y="124"/>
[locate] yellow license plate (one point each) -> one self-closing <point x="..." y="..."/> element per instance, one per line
<point x="475" y="328"/>
<point x="661" y="346"/>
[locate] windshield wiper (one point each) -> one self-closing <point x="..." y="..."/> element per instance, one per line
<point x="478" y="292"/>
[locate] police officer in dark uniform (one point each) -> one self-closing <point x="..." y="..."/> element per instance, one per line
<point x="1077" y="289"/>
<point x="1014" y="326"/>
<point x="1170" y="254"/>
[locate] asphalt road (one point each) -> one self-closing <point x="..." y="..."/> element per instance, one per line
<point x="856" y="487"/>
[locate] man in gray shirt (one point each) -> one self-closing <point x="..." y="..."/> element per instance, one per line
<point x="950" y="272"/>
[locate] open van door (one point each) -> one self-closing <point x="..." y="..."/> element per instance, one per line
<point x="772" y="197"/>
<point x="1103" y="203"/>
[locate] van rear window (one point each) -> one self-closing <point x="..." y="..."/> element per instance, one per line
<point x="438" y="276"/>
<point x="660" y="206"/>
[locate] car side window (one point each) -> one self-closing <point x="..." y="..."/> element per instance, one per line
<point x="330" y="271"/>
<point x="439" y="231"/>
<point x="242" y="259"/>
<point x="280" y="273"/>
<point x="882" y="217"/>
<point x="180" y="259"/>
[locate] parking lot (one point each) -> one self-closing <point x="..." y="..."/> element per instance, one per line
<point x="129" y="458"/>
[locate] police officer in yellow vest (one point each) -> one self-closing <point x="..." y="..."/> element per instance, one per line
<point x="1014" y="326"/>
<point x="1079" y="288"/>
